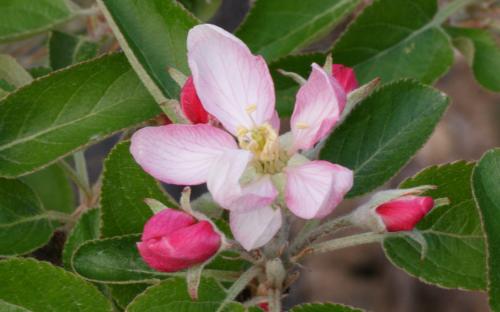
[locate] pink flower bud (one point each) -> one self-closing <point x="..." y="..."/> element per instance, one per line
<point x="345" y="76"/>
<point x="191" y="104"/>
<point x="403" y="213"/>
<point x="173" y="240"/>
<point x="264" y="306"/>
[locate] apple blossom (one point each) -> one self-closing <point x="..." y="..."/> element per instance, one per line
<point x="345" y="76"/>
<point x="260" y="172"/>
<point x="402" y="214"/>
<point x="173" y="240"/>
<point x="191" y="105"/>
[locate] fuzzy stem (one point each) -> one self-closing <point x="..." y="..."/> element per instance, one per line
<point x="239" y="285"/>
<point x="310" y="234"/>
<point x="339" y="243"/>
<point x="81" y="171"/>
<point x="73" y="175"/>
<point x="274" y="300"/>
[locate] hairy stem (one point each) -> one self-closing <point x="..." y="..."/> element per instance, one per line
<point x="73" y="175"/>
<point x="274" y="300"/>
<point x="239" y="285"/>
<point x="81" y="171"/>
<point x="339" y="243"/>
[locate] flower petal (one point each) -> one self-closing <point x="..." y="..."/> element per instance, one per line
<point x="191" y="105"/>
<point x="403" y="213"/>
<point x="224" y="183"/>
<point x="314" y="189"/>
<point x="317" y="108"/>
<point x="256" y="227"/>
<point x="345" y="76"/>
<point x="165" y="222"/>
<point x="180" y="154"/>
<point x="234" y="85"/>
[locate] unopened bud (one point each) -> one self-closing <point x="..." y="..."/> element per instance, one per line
<point x="191" y="105"/>
<point x="173" y="240"/>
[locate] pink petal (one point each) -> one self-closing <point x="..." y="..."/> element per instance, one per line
<point x="255" y="228"/>
<point x="165" y="222"/>
<point x="224" y="183"/>
<point x="345" y="76"/>
<point x="229" y="79"/>
<point x="191" y="104"/>
<point x="402" y="214"/>
<point x="314" y="189"/>
<point x="180" y="154"/>
<point x="317" y="108"/>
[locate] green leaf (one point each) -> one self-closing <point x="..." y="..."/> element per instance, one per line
<point x="153" y="36"/>
<point x="60" y="113"/>
<point x="394" y="39"/>
<point x="323" y="307"/>
<point x="486" y="187"/>
<point x="87" y="228"/>
<point x="124" y="294"/>
<point x="8" y="307"/>
<point x="125" y="185"/>
<point x="286" y="88"/>
<point x="116" y="260"/>
<point x="53" y="188"/>
<point x="24" y="224"/>
<point x="171" y="295"/>
<point x="66" y="49"/>
<point x="23" y="18"/>
<point x="276" y="28"/>
<point x="385" y="130"/>
<point x="13" y="73"/>
<point x="485" y="57"/>
<point x="41" y="287"/>
<point x="455" y="257"/>
<point x="202" y="9"/>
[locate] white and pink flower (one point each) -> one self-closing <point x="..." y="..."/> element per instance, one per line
<point x="249" y="169"/>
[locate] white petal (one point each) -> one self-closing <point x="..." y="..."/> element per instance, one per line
<point x="256" y="227"/>
<point x="224" y="183"/>
<point x="180" y="154"/>
<point x="314" y="189"/>
<point x="317" y="108"/>
<point x="234" y="85"/>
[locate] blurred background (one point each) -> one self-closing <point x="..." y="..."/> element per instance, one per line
<point x="359" y="276"/>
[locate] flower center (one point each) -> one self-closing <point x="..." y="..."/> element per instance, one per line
<point x="263" y="142"/>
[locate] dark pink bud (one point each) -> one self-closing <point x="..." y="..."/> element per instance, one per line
<point x="173" y="240"/>
<point x="264" y="306"/>
<point x="191" y="104"/>
<point x="345" y="77"/>
<point x="402" y="214"/>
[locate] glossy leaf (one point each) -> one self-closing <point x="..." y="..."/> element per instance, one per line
<point x="125" y="294"/>
<point x="23" y="18"/>
<point x="276" y="28"/>
<point x="24" y="224"/>
<point x="323" y="307"/>
<point x="486" y="186"/>
<point x="394" y="39"/>
<point x="455" y="257"/>
<point x="382" y="134"/>
<point x="485" y="60"/>
<point x="13" y="73"/>
<point x="153" y="36"/>
<point x="202" y="9"/>
<point x="125" y="185"/>
<point x="87" y="228"/>
<point x="60" y="113"/>
<point x="172" y="296"/>
<point x="41" y="287"/>
<point x="66" y="49"/>
<point x="117" y="260"/>
<point x="286" y="87"/>
<point x="53" y="188"/>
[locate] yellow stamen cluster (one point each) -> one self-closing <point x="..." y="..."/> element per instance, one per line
<point x="263" y="142"/>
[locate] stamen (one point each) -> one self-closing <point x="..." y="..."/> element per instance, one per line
<point x="302" y="125"/>
<point x="251" y="108"/>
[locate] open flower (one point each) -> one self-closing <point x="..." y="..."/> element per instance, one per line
<point x="249" y="175"/>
